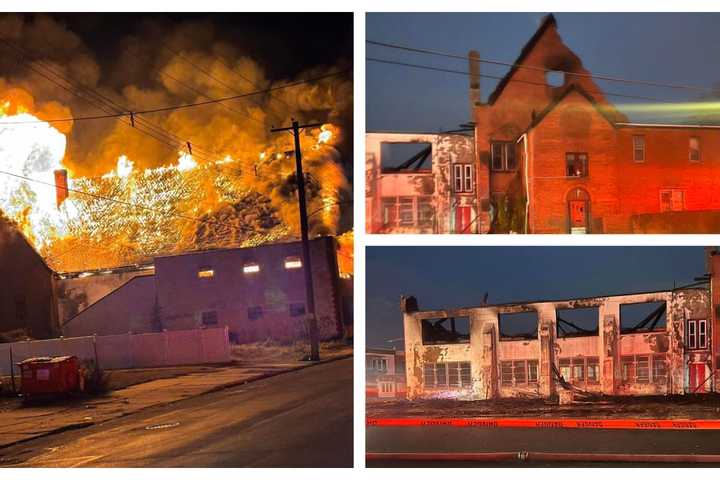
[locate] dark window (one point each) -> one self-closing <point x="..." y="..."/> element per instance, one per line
<point x="576" y="164"/>
<point x="255" y="313"/>
<point x="405" y="157"/>
<point x="503" y="156"/>
<point x="209" y="318"/>
<point x="297" y="309"/>
<point x="643" y="317"/>
<point x="520" y="326"/>
<point x="639" y="148"/>
<point x="694" y="149"/>
<point x="577" y="322"/>
<point x="446" y="330"/>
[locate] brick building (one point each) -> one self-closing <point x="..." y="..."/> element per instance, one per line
<point x="27" y="302"/>
<point x="258" y="293"/>
<point x="651" y="343"/>
<point x="384" y="373"/>
<point x="553" y="155"/>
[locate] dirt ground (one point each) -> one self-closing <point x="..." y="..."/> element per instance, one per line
<point x="706" y="406"/>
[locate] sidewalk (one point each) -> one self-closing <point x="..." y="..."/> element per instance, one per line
<point x="705" y="406"/>
<point x="19" y="422"/>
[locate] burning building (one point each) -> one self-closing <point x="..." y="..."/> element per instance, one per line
<point x="654" y="343"/>
<point x="553" y="155"/>
<point x="258" y="293"/>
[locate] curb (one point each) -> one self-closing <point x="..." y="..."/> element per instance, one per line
<point x="544" y="456"/>
<point x="217" y="388"/>
<point x="550" y="423"/>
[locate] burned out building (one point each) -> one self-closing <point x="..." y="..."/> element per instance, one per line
<point x="655" y="343"/>
<point x="553" y="155"/>
<point x="409" y="185"/>
<point x="27" y="302"/>
<point x="257" y="292"/>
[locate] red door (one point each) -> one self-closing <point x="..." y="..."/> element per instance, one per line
<point x="463" y="219"/>
<point x="697" y="378"/>
<point x="578" y="214"/>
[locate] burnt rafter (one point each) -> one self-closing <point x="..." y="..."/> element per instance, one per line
<point x="577" y="328"/>
<point x="413" y="163"/>
<point x="438" y="331"/>
<point x="653" y="318"/>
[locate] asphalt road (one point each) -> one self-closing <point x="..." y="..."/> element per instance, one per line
<point x="435" y="439"/>
<point x="296" y="419"/>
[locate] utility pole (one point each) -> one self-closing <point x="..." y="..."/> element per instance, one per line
<point x="311" y="320"/>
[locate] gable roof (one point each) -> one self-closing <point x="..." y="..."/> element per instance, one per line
<point x="547" y="22"/>
<point x="573" y="87"/>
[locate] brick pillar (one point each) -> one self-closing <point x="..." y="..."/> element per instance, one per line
<point x="546" y="334"/>
<point x="482" y="167"/>
<point x="413" y="347"/>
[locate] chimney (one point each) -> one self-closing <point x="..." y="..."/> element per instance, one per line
<point x="474" y="69"/>
<point x="61" y="186"/>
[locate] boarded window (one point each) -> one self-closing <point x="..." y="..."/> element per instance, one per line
<point x="643" y="317"/>
<point x="518" y="326"/>
<point x="255" y="313"/>
<point x="639" y="148"/>
<point x="405" y="157"/>
<point x="446" y="330"/>
<point x="576" y="164"/>
<point x="576" y="322"/>
<point x="694" y="149"/>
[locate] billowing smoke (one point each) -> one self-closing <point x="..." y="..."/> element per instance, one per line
<point x="242" y="188"/>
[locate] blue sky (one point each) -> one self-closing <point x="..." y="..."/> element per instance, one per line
<point x="446" y="277"/>
<point x="667" y="48"/>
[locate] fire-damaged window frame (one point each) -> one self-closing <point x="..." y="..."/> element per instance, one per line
<point x="578" y="331"/>
<point x="502" y="320"/>
<point x="639" y="148"/>
<point x="675" y="200"/>
<point x="697" y="334"/>
<point x="575" y="157"/>
<point x="577" y="369"/>
<point x="519" y="372"/>
<point x="654" y="369"/>
<point x="447" y="375"/>
<point x="464" y="177"/>
<point x="500" y="161"/>
<point x="694" y="153"/>
<point x="408" y="211"/>
<point x="653" y="318"/>
<point x="413" y="164"/>
<point x="460" y="338"/>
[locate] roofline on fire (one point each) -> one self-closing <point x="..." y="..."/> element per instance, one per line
<point x="548" y="21"/>
<point x="513" y="304"/>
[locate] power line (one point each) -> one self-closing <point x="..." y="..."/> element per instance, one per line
<point x="531" y="67"/>
<point x="462" y="72"/>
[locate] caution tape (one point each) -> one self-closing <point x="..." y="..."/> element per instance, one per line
<point x="612" y="423"/>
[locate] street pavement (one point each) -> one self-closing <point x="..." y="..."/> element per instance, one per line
<point x="297" y="419"/>
<point x="437" y="439"/>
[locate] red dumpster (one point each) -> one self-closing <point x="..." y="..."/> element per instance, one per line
<point x="48" y="375"/>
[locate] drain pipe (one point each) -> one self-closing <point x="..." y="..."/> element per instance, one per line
<point x="523" y="137"/>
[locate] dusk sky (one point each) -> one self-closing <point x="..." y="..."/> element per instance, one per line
<point x="666" y="48"/>
<point x="446" y="277"/>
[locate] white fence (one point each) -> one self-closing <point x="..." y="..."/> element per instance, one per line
<point x="168" y="348"/>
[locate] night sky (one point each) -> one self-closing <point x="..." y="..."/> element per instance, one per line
<point x="297" y="41"/>
<point x="667" y="48"/>
<point x="447" y="277"/>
